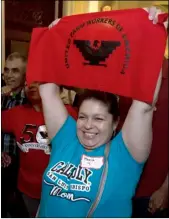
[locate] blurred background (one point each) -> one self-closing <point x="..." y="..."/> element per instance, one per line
<point x="19" y="17"/>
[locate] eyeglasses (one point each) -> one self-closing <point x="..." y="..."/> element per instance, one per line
<point x="12" y="70"/>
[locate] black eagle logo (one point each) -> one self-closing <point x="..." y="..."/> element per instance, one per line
<point x="97" y="52"/>
<point x="44" y="135"/>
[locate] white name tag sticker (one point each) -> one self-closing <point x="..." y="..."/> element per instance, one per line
<point x="91" y="162"/>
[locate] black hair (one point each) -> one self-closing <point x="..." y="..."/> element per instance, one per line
<point x="108" y="99"/>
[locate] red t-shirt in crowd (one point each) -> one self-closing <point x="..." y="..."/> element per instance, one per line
<point x="28" y="127"/>
<point x="156" y="168"/>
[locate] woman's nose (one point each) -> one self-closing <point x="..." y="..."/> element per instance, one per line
<point x="88" y="124"/>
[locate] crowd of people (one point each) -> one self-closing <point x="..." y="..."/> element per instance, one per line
<point x="81" y="139"/>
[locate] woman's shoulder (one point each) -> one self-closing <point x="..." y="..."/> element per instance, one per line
<point x="120" y="151"/>
<point x="117" y="138"/>
<point x="67" y="131"/>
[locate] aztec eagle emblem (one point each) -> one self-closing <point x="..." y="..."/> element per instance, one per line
<point x="97" y="52"/>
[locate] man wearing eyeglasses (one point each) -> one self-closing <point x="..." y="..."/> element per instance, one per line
<point x="12" y="94"/>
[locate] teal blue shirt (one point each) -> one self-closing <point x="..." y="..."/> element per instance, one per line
<point x="68" y="190"/>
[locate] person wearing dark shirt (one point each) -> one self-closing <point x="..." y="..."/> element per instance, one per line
<point x="12" y="94"/>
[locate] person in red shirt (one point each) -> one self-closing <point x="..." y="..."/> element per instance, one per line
<point x="152" y="192"/>
<point x="151" y="199"/>
<point x="27" y="124"/>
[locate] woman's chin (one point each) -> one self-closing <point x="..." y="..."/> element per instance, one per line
<point x="88" y="143"/>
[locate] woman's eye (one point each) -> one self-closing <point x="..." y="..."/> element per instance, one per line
<point x="99" y="119"/>
<point x="81" y="117"/>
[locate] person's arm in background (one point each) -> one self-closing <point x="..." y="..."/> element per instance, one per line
<point x="159" y="199"/>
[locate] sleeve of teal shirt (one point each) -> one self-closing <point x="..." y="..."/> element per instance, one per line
<point x="128" y="169"/>
<point x="64" y="136"/>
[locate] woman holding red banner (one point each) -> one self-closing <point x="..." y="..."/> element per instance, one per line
<point x="93" y="172"/>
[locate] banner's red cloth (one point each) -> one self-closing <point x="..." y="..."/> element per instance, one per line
<point x="118" y="51"/>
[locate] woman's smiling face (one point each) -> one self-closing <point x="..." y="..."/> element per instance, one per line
<point x="94" y="124"/>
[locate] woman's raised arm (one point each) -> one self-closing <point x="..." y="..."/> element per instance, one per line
<point x="54" y="111"/>
<point x="137" y="128"/>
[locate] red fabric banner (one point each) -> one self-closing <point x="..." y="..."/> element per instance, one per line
<point x="118" y="51"/>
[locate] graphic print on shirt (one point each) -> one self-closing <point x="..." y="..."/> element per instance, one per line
<point x="34" y="137"/>
<point x="70" y="172"/>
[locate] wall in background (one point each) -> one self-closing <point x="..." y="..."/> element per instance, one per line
<point x="19" y="46"/>
<point x="78" y="7"/>
<point x="56" y="9"/>
<point x="21" y="17"/>
<point x="25" y="15"/>
<point x="3" y="35"/>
